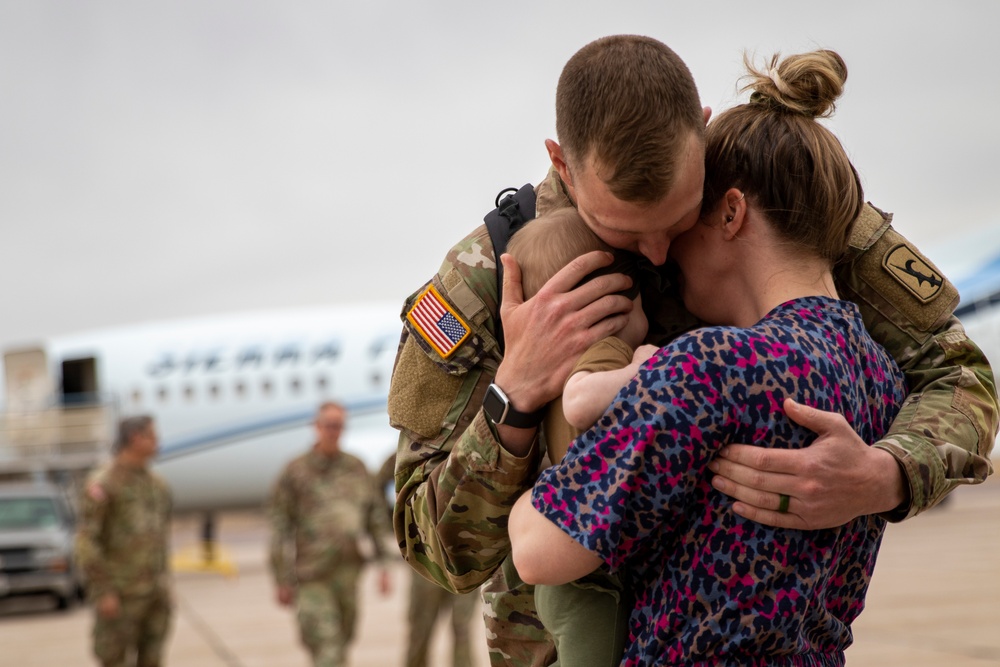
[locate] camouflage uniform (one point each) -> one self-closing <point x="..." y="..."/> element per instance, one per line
<point x="121" y="547"/>
<point x="319" y="508"/>
<point x="428" y="601"/>
<point x="456" y="484"/>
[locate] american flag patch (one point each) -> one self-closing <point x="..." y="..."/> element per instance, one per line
<point x="437" y="322"/>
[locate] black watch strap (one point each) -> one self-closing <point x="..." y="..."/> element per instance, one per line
<point x="498" y="410"/>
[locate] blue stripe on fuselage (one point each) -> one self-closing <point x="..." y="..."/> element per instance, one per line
<point x="226" y="435"/>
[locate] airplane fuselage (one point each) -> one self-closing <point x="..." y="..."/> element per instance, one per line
<point x="234" y="396"/>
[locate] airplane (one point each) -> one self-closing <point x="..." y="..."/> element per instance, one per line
<point x="233" y="396"/>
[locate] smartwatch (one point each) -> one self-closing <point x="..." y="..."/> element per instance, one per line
<point x="498" y="410"/>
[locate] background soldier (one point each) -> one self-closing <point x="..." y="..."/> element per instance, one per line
<point x="121" y="546"/>
<point x="322" y="502"/>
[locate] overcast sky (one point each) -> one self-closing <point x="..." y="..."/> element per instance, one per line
<point x="168" y="159"/>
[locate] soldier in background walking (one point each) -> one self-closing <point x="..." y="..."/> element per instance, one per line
<point x="321" y="504"/>
<point x="121" y="546"/>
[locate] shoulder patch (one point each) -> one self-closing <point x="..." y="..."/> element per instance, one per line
<point x="912" y="272"/>
<point x="437" y="322"/>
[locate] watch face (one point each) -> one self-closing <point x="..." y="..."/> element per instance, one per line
<point x="495" y="404"/>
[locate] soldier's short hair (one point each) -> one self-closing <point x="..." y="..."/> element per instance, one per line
<point x="630" y="104"/>
<point x="128" y="428"/>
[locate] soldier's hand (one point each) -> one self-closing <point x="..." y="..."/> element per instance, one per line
<point x="546" y="334"/>
<point x="834" y="480"/>
<point x="108" y="606"/>
<point x="285" y="595"/>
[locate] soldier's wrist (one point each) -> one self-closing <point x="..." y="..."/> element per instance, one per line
<point x="523" y="396"/>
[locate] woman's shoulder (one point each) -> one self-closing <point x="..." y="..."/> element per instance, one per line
<point x="708" y="339"/>
<point x="701" y="354"/>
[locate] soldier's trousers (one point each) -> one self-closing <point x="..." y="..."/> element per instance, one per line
<point x="427" y="602"/>
<point x="327" y="610"/>
<point x="140" y="629"/>
<point x="515" y="636"/>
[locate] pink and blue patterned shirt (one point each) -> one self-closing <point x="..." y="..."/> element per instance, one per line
<point x="711" y="587"/>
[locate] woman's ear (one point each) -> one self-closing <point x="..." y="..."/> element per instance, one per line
<point x="736" y="211"/>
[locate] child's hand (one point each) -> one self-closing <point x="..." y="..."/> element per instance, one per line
<point x="642" y="353"/>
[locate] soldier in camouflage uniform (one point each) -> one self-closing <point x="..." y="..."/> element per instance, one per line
<point x="121" y="547"/>
<point x="630" y="174"/>
<point x="321" y="504"/>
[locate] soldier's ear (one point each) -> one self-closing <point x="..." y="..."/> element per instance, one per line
<point x="560" y="164"/>
<point x="558" y="160"/>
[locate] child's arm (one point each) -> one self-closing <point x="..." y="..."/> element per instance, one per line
<point x="587" y="394"/>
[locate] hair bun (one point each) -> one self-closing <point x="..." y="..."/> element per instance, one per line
<point x="807" y="83"/>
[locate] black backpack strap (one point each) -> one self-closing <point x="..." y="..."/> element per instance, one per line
<point x="512" y="211"/>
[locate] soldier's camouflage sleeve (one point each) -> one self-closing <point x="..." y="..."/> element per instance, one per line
<point x="88" y="545"/>
<point x="377" y="523"/>
<point x="455" y="484"/>
<point x="943" y="435"/>
<point x="280" y="510"/>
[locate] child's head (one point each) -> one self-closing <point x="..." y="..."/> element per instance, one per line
<point x="548" y="243"/>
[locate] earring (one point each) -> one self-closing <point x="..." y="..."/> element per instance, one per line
<point x="729" y="218"/>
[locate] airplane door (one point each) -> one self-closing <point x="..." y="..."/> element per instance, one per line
<point x="79" y="380"/>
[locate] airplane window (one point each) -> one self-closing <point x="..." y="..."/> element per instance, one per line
<point x="163" y="394"/>
<point x="321" y="383"/>
<point x="240" y="389"/>
<point x="213" y="390"/>
<point x="189" y="392"/>
<point x="137" y="396"/>
<point x="265" y="387"/>
<point x="376" y="379"/>
<point x="295" y="385"/>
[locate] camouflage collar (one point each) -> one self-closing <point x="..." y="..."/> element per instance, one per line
<point x="551" y="194"/>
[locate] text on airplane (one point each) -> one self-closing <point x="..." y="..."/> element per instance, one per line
<point x="248" y="358"/>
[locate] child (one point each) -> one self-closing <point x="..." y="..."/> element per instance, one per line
<point x="586" y="618"/>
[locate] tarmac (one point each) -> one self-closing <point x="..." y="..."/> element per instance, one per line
<point x="934" y="600"/>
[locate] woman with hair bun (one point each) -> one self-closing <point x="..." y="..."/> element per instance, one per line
<point x="635" y="493"/>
